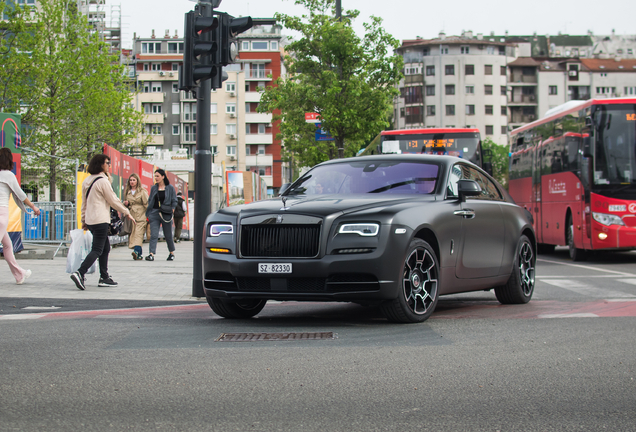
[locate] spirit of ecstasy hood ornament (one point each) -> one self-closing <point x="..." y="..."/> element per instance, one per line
<point x="284" y="203"/>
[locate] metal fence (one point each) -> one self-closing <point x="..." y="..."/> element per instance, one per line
<point x="53" y="224"/>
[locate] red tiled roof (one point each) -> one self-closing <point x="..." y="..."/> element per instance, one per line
<point x="609" y="65"/>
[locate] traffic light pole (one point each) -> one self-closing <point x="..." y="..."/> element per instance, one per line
<point x="203" y="171"/>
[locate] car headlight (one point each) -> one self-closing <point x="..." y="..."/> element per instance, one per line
<point x="362" y="229"/>
<point x="218" y="229"/>
<point x="607" y="219"/>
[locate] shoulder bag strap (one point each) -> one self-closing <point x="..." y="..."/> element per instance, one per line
<point x="90" y="187"/>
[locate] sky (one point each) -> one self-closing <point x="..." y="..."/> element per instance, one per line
<point x="407" y="19"/>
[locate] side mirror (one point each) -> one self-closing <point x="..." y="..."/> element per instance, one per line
<point x="467" y="188"/>
<point x="283" y="188"/>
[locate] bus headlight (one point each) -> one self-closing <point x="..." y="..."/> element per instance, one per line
<point x="607" y="219"/>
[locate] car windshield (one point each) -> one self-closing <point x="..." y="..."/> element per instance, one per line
<point x="615" y="162"/>
<point x="358" y="177"/>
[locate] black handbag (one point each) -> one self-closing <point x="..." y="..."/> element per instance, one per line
<point x="115" y="226"/>
<point x="165" y="209"/>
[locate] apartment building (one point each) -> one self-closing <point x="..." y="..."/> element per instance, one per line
<point x="455" y="81"/>
<point x="240" y="138"/>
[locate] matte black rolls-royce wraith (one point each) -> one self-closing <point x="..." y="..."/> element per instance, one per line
<point x="391" y="230"/>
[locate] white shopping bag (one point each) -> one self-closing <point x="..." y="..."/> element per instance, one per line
<point x="81" y="245"/>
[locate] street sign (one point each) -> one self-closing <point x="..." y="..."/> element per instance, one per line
<point x="312" y="117"/>
<point x="321" y="134"/>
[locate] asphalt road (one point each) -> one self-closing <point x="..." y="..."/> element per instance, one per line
<point x="564" y="362"/>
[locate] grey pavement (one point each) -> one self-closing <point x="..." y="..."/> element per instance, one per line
<point x="138" y="280"/>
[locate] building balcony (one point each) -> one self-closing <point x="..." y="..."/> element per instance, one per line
<point x="155" y="140"/>
<point x="157" y="75"/>
<point x="252" y="96"/>
<point x="258" y="75"/>
<point x="523" y="79"/>
<point x="155" y="97"/>
<point x="413" y="79"/>
<point x="188" y="138"/>
<point x="153" y="118"/>
<point x="188" y="118"/>
<point x="523" y="100"/>
<point x="187" y="96"/>
<point x="259" y="139"/>
<point x="258" y="117"/>
<point x="259" y="160"/>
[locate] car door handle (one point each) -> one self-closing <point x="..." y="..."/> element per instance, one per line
<point x="466" y="213"/>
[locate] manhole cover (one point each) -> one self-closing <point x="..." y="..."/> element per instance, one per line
<point x="257" y="337"/>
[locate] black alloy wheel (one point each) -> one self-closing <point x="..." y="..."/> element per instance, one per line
<point x="419" y="286"/>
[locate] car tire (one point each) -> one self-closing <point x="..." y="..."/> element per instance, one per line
<point x="575" y="254"/>
<point x="418" y="286"/>
<point x="520" y="285"/>
<point x="236" y="310"/>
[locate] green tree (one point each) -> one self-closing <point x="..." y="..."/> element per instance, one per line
<point x="350" y="81"/>
<point x="498" y="155"/>
<point x="76" y="96"/>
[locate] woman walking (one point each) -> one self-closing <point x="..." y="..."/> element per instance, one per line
<point x="97" y="199"/>
<point x="160" y="212"/>
<point x="136" y="199"/>
<point x="9" y="186"/>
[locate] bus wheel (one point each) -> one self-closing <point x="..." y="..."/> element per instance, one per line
<point x="575" y="254"/>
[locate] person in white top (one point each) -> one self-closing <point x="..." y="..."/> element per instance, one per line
<point x="9" y="186"/>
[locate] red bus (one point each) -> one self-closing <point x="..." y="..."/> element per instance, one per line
<point x="464" y="143"/>
<point x="575" y="171"/>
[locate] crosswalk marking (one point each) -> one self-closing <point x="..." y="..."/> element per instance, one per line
<point x="587" y="290"/>
<point x="628" y="281"/>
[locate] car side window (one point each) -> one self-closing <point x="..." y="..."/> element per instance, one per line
<point x="457" y="173"/>
<point x="488" y="189"/>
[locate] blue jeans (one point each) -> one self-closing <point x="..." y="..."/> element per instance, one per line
<point x="100" y="250"/>
<point x="138" y="250"/>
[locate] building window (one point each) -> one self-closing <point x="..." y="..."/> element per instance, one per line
<point x="259" y="45"/>
<point x="430" y="110"/>
<point x="430" y="70"/>
<point x="230" y="86"/>
<point x="156" y="87"/>
<point x="502" y="50"/>
<point x="488" y="89"/>
<point x="213" y="132"/>
<point x="401" y="112"/>
<point x="489" y="130"/>
<point x="230" y="108"/>
<point x="248" y="129"/>
<point x="151" y="48"/>
<point x="503" y="90"/>
<point x="213" y="108"/>
<point x="450" y="89"/>
<point x="469" y="69"/>
<point x="189" y="133"/>
<point x="465" y="50"/>
<point x="230" y="129"/>
<point x="175" y="87"/>
<point x="190" y="111"/>
<point x="528" y="71"/>
<point x="175" y="129"/>
<point x="426" y="51"/>
<point x="261" y="128"/>
<point x="430" y="90"/>
<point x="449" y="70"/>
<point x="155" y="129"/>
<point x="553" y="90"/>
<point x="450" y="110"/>
<point x="502" y="71"/>
<point x="443" y="49"/>
<point x="231" y="150"/>
<point x="470" y="89"/>
<point x="156" y="66"/>
<point x="274" y="45"/>
<point x="470" y="109"/>
<point x="504" y="110"/>
<point x="173" y="48"/>
<point x="605" y="90"/>
<point x="245" y="46"/>
<point x="175" y="108"/>
<point x="490" y="50"/>
<point x="489" y="109"/>
<point x="175" y="67"/>
<point x="629" y="91"/>
<point x="146" y="66"/>
<point x="487" y="69"/>
<point x="504" y="130"/>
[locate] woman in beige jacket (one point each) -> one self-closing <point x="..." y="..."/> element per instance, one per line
<point x="136" y="199"/>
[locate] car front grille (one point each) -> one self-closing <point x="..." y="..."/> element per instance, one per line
<point x="334" y="284"/>
<point x="280" y="241"/>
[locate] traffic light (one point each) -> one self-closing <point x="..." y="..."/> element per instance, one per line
<point x="202" y="50"/>
<point x="229" y="28"/>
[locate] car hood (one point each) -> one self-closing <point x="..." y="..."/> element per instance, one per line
<point x="322" y="205"/>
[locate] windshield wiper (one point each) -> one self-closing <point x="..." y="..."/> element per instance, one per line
<point x="402" y="183"/>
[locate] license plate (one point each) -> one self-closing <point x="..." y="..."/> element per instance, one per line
<point x="275" y="268"/>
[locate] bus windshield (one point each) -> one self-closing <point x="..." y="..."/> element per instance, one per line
<point x="463" y="145"/>
<point x="615" y="161"/>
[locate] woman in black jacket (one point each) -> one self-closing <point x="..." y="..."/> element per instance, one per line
<point x="161" y="204"/>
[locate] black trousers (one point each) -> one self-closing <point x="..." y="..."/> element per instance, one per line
<point x="100" y="250"/>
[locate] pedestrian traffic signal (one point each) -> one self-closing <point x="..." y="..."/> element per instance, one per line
<point x="230" y="28"/>
<point x="202" y="53"/>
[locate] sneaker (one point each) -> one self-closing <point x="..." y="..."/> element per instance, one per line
<point x="108" y="282"/>
<point x="135" y="256"/>
<point x="27" y="274"/>
<point x="150" y="258"/>
<point x="170" y="257"/>
<point x="79" y="280"/>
